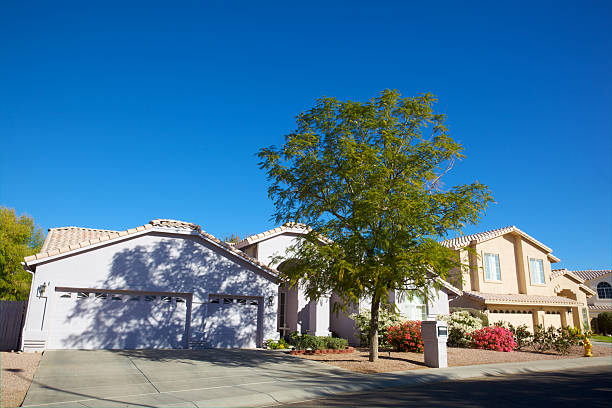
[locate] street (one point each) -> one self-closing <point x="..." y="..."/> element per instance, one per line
<point x="580" y="388"/>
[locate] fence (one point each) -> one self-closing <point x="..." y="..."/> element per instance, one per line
<point x="12" y="317"/>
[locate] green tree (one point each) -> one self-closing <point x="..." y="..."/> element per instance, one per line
<point x="366" y="177"/>
<point x="19" y="238"/>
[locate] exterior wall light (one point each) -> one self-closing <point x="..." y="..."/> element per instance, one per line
<point x="271" y="300"/>
<point x="41" y="289"/>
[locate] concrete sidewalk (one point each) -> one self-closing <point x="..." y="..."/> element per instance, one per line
<point x="229" y="378"/>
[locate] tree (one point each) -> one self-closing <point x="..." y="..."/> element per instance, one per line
<point x="19" y="238"/>
<point x="366" y="178"/>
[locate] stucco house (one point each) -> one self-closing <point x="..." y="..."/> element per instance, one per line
<point x="297" y="313"/>
<point x="169" y="284"/>
<point x="600" y="281"/>
<point x="510" y="278"/>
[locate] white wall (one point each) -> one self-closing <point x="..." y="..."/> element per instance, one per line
<point x="152" y="262"/>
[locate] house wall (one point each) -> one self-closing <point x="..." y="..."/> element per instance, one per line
<point x="504" y="247"/>
<point x="155" y="262"/>
<point x="595" y="300"/>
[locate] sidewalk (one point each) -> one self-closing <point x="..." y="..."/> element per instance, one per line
<point x="298" y="391"/>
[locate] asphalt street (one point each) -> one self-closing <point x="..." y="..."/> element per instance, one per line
<point x="586" y="387"/>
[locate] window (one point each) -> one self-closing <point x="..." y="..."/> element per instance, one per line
<point x="282" y="307"/>
<point x="99" y="295"/>
<point x="181" y="300"/>
<point x="604" y="290"/>
<point x="491" y="266"/>
<point x="82" y="295"/>
<point x="215" y="300"/>
<point x="149" y="298"/>
<point x="167" y="299"/>
<point x="227" y="301"/>
<point x="241" y="301"/>
<point x="66" y="295"/>
<point x="536" y="266"/>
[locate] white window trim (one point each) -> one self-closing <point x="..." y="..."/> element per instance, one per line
<point x="484" y="268"/>
<point x="531" y="281"/>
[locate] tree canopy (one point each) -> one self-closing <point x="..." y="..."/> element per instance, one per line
<point x="367" y="178"/>
<point x="19" y="238"/>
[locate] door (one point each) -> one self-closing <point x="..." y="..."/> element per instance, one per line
<point x="86" y="319"/>
<point x="233" y="322"/>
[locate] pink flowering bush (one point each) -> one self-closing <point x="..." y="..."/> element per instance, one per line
<point x="405" y="337"/>
<point x="493" y="338"/>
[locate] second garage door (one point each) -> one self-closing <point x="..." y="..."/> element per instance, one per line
<point x="233" y="322"/>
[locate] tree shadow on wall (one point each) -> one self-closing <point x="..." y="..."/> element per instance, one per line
<point x="188" y="265"/>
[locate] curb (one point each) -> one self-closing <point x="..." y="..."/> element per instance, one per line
<point x="411" y="378"/>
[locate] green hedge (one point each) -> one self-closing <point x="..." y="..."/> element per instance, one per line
<point x="306" y="341"/>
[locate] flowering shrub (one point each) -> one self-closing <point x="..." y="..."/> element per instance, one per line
<point x="405" y="337"/>
<point x="493" y="338"/>
<point x="386" y="318"/>
<point x="460" y="325"/>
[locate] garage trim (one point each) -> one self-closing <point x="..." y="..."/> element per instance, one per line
<point x="188" y="300"/>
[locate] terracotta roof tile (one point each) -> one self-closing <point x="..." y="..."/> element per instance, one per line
<point x="591" y="274"/>
<point x="520" y="299"/>
<point x="465" y="240"/>
<point x="66" y="239"/>
<point x="600" y="307"/>
<point x="288" y="227"/>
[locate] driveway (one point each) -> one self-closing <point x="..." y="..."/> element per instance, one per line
<point x="179" y="378"/>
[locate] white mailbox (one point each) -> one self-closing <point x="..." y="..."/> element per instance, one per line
<point x="435" y="335"/>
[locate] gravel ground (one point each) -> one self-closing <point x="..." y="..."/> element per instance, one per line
<point x="17" y="372"/>
<point x="394" y="361"/>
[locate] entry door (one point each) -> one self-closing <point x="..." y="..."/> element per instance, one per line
<point x="107" y="320"/>
<point x="233" y="322"/>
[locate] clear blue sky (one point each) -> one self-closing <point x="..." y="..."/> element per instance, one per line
<point x="112" y="115"/>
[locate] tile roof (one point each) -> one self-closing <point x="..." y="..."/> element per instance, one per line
<point x="521" y="299"/>
<point x="600" y="307"/>
<point x="288" y="227"/>
<point x="465" y="240"/>
<point x="67" y="239"/>
<point x="560" y="272"/>
<point x="591" y="274"/>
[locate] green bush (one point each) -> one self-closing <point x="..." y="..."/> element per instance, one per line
<point x="522" y="336"/>
<point x="336" y="343"/>
<point x="460" y="324"/>
<point x="274" y="345"/>
<point x="567" y="337"/>
<point x="604" y="322"/>
<point x="484" y="319"/>
<point x="544" y="339"/>
<point x="306" y="341"/>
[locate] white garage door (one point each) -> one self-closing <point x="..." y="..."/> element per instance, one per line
<point x="116" y="320"/>
<point x="233" y="322"/>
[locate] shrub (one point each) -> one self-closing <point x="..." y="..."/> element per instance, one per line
<point x="306" y="341"/>
<point x="544" y="339"/>
<point x="387" y="318"/>
<point x="493" y="338"/>
<point x="460" y="324"/>
<point x="405" y="337"/>
<point x="479" y="314"/>
<point x="336" y="343"/>
<point x="274" y="345"/>
<point x="604" y="322"/>
<point x="567" y="337"/>
<point x="522" y="336"/>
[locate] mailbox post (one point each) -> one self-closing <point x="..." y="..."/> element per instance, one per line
<point x="435" y="334"/>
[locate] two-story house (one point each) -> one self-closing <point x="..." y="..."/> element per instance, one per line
<point x="510" y="278"/>
<point x="600" y="281"/>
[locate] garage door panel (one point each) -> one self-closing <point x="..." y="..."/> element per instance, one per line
<point x="106" y="321"/>
<point x="232" y="323"/>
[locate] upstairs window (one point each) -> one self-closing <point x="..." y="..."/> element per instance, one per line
<point x="491" y="267"/>
<point x="604" y="290"/>
<point x="536" y="266"/>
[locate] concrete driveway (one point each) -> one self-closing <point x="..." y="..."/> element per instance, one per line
<point x="179" y="378"/>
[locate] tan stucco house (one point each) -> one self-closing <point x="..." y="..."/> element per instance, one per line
<point x="511" y="279"/>
<point x="600" y="281"/>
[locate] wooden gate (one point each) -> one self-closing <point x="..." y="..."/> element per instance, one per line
<point x="12" y="317"/>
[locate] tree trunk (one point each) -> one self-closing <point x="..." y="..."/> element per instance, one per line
<point x="374" y="328"/>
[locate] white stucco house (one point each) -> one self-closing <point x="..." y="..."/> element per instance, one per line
<point x="168" y="284"/>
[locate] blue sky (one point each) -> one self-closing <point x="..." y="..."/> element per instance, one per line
<point x="112" y="115"/>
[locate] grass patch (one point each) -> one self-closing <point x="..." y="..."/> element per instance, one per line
<point x="604" y="339"/>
